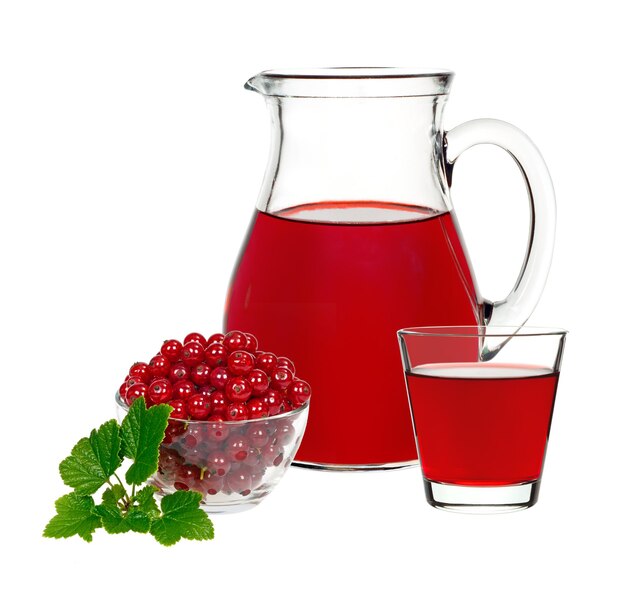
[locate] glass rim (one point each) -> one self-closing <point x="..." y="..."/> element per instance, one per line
<point x="352" y="82"/>
<point x="291" y="413"/>
<point x="484" y="330"/>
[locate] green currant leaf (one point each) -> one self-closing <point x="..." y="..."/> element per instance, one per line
<point x="113" y="520"/>
<point x="106" y="444"/>
<point x="142" y="432"/>
<point x="75" y="516"/>
<point x="138" y="520"/>
<point x="182" y="518"/>
<point x="111" y="496"/>
<point x="116" y="521"/>
<point x="146" y="501"/>
<point x="81" y="469"/>
<point x="93" y="460"/>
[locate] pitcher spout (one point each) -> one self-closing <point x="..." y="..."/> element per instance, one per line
<point x="255" y="83"/>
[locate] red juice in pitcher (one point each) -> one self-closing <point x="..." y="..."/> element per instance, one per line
<point x="328" y="285"/>
<point x="482" y="424"/>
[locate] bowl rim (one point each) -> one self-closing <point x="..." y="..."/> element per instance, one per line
<point x="291" y="413"/>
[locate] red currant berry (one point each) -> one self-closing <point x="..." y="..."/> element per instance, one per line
<point x="237" y="448"/>
<point x="281" y="377"/>
<point x="215" y="354"/>
<point x="238" y="390"/>
<point x="195" y="457"/>
<point x="237" y="411"/>
<point x="219" y="403"/>
<point x="274" y="401"/>
<point x="284" y="362"/>
<point x="251" y="343"/>
<point x="193" y="353"/>
<point x="132" y="380"/>
<point x="239" y="482"/>
<point x="174" y="430"/>
<point x="159" y="366"/>
<point x="218" y="337"/>
<point x="140" y="370"/>
<point x="213" y="484"/>
<point x="272" y="455"/>
<point x="160" y="391"/>
<point x="122" y="390"/>
<point x="218" y="463"/>
<point x="257" y="409"/>
<point x="187" y="475"/>
<point x="190" y="442"/>
<point x="171" y="350"/>
<point x="219" y="377"/>
<point x="256" y="476"/>
<point x="192" y="474"/>
<point x="195" y="337"/>
<point x="168" y="459"/>
<point x="235" y="340"/>
<point x="178" y="372"/>
<point x="259" y="381"/>
<point x="258" y="435"/>
<point x="266" y="362"/>
<point x="208" y="445"/>
<point x="206" y="389"/>
<point x="216" y="430"/>
<point x="254" y="459"/>
<point x="199" y="406"/>
<point x="299" y="392"/>
<point x="290" y="401"/>
<point x="240" y="362"/>
<point x="184" y="389"/>
<point x="134" y="392"/>
<point x="285" y="433"/>
<point x="179" y="409"/>
<point x="201" y="374"/>
<point x="197" y="431"/>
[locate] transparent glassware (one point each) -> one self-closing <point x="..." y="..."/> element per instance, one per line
<point x="354" y="236"/>
<point x="233" y="464"/>
<point x="481" y="423"/>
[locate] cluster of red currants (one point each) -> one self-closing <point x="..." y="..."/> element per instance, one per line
<point x="222" y="378"/>
<point x="214" y="457"/>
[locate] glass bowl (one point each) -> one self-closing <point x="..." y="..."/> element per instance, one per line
<point x="233" y="464"/>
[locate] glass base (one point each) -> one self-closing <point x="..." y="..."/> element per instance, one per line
<point x="233" y="507"/>
<point x="481" y="499"/>
<point x="355" y="467"/>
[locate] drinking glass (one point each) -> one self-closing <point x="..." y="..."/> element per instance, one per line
<point x="481" y="421"/>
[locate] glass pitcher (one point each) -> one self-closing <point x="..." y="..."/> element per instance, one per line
<point x="354" y="237"/>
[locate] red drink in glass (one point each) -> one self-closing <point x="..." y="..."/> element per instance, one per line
<point x="482" y="424"/>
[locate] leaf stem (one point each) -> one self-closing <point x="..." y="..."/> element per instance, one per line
<point x="126" y="497"/>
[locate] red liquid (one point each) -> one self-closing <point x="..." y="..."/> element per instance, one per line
<point x="482" y="424"/>
<point x="331" y="296"/>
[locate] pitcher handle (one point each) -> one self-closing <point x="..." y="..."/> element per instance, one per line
<point x="515" y="309"/>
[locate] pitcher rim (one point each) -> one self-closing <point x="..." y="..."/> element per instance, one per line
<point x="352" y="82"/>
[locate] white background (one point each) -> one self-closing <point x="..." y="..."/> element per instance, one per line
<point x="130" y="161"/>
